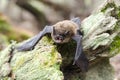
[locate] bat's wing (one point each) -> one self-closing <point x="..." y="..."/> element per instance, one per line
<point x="29" y="44"/>
<point x="80" y="59"/>
<point x="77" y="21"/>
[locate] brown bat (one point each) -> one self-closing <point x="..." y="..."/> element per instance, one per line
<point x="62" y="32"/>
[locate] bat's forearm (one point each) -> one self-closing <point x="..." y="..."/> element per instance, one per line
<point x="29" y="45"/>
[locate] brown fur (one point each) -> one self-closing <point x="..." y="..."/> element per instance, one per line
<point x="63" y="26"/>
<point x="66" y="25"/>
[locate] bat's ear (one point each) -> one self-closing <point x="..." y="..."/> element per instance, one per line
<point x="76" y="20"/>
<point x="54" y="32"/>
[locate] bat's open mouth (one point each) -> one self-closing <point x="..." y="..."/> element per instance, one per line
<point x="59" y="39"/>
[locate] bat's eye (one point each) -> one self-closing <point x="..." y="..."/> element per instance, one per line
<point x="67" y="32"/>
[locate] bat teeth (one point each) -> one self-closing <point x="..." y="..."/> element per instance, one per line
<point x="60" y="38"/>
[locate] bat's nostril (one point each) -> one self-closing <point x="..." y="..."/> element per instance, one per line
<point x="57" y="38"/>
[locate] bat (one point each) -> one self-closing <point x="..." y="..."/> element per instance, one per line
<point x="62" y="32"/>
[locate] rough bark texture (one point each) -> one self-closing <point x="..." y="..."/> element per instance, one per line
<point x="101" y="40"/>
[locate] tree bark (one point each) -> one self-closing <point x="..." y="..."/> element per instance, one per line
<point x="101" y="40"/>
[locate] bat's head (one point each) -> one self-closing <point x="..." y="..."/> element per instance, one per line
<point x="63" y="31"/>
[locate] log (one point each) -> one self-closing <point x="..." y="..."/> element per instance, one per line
<point x="47" y="61"/>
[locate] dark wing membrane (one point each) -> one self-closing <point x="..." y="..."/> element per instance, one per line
<point x="29" y="45"/>
<point x="82" y="62"/>
<point x="80" y="59"/>
<point x="77" y="21"/>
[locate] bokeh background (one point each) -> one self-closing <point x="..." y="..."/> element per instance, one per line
<point x="28" y="17"/>
<point x="33" y="15"/>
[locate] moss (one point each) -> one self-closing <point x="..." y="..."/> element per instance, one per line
<point x="42" y="63"/>
<point x="115" y="46"/>
<point x="115" y="13"/>
<point x="109" y="5"/>
<point x="119" y="12"/>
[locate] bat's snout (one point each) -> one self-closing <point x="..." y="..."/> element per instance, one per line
<point x="59" y="39"/>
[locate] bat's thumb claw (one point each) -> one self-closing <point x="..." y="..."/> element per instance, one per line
<point x="73" y="63"/>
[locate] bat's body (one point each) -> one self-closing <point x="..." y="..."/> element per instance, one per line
<point x="62" y="32"/>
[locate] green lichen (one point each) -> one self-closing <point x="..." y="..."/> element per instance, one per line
<point x="42" y="63"/>
<point x="109" y="5"/>
<point x="5" y="68"/>
<point x="115" y="12"/>
<point x="119" y="13"/>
